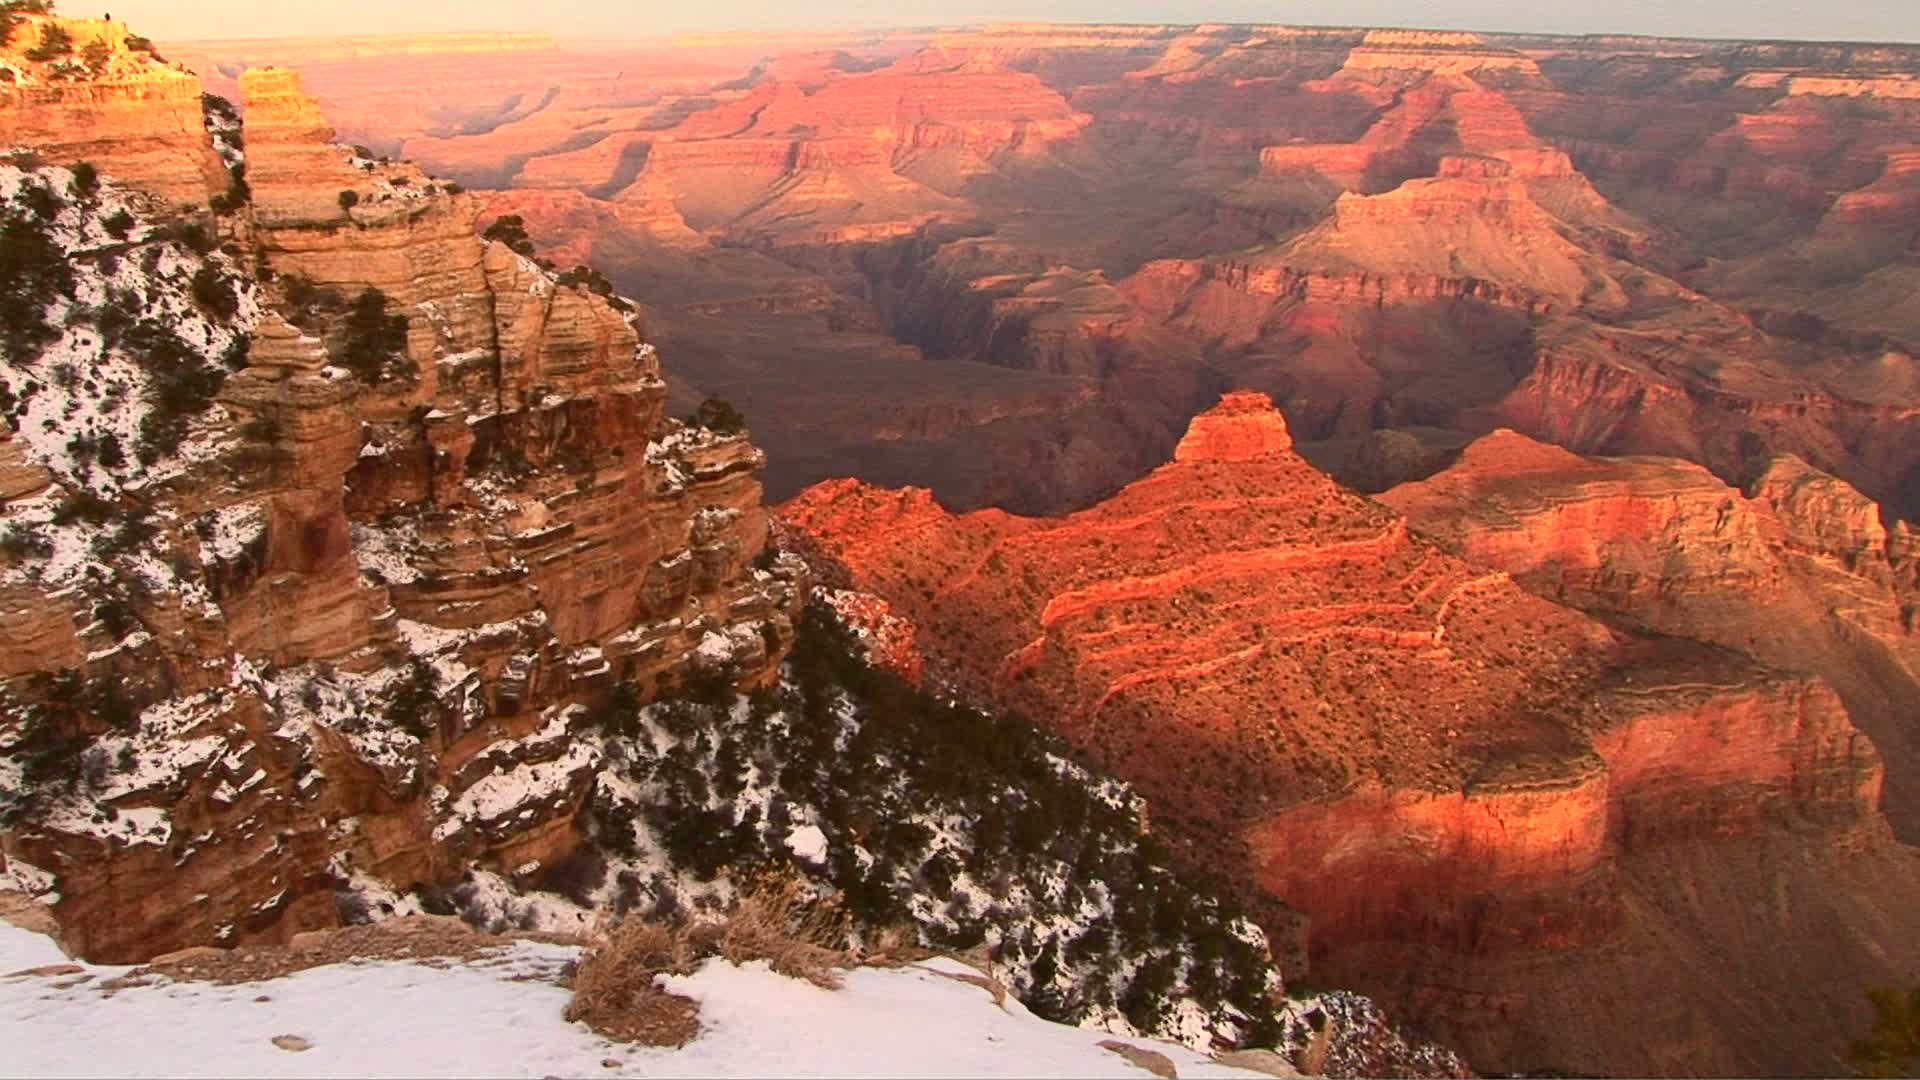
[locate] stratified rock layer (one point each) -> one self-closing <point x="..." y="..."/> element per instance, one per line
<point x="1414" y="752"/>
<point x="398" y="589"/>
<point x="1796" y="569"/>
<point x="136" y="112"/>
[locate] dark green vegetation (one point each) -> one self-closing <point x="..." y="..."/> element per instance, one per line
<point x="184" y="385"/>
<point x="511" y="230"/>
<point x="975" y="829"/>
<point x="33" y="269"/>
<point x="1892" y="1048"/>
<point x="373" y="338"/>
<point x="12" y="10"/>
<point x="55" y="42"/>
<point x="719" y="416"/>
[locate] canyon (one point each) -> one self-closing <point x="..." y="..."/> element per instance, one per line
<point x="1486" y="804"/>
<point x="1042" y="249"/>
<point x="1463" y="483"/>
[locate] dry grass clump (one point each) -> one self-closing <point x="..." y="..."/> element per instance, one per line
<point x="615" y="993"/>
<point x="894" y="946"/>
<point x="776" y="919"/>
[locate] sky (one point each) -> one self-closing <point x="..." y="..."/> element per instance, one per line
<point x="1846" y="20"/>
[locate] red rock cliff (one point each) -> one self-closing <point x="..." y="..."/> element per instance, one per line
<point x="1412" y="751"/>
<point x="369" y="602"/>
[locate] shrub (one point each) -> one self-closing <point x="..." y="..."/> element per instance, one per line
<point x="86" y="180"/>
<point x="96" y="54"/>
<point x="237" y="352"/>
<point x="137" y="43"/>
<point x="84" y="506"/>
<point x="595" y="282"/>
<point x="183" y="384"/>
<point x="48" y="753"/>
<point x="614" y="992"/>
<point x="117" y="616"/>
<point x="306" y="302"/>
<point x="218" y="106"/>
<point x="41" y="202"/>
<point x="719" y="416"/>
<point x="352" y="908"/>
<point x="1145" y="1001"/>
<point x="196" y="236"/>
<point x="54" y="42"/>
<point x="511" y="230"/>
<point x="778" y="920"/>
<point x="214" y="291"/>
<point x="112" y="454"/>
<point x="587" y="277"/>
<point x="373" y="337"/>
<point x="238" y="192"/>
<point x="578" y="875"/>
<point x="414" y="707"/>
<point x="21" y="542"/>
<point x="32" y="269"/>
<point x="349" y="199"/>
<point x="118" y="224"/>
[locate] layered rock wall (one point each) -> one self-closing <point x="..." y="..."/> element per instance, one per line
<point x="397" y="581"/>
<point x="138" y="113"/>
<point x="1797" y="568"/>
<point x="1445" y="775"/>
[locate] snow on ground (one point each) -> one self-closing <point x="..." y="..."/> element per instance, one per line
<point x="501" y="1015"/>
<point x="86" y="389"/>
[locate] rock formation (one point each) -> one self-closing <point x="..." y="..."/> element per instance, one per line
<point x="1010" y="263"/>
<point x="141" y="112"/>
<point x="433" y="510"/>
<point x="1409" y="749"/>
<point x="1796" y="569"/>
<point x="1421" y="204"/>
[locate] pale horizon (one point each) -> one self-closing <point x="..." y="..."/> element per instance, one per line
<point x="1874" y="21"/>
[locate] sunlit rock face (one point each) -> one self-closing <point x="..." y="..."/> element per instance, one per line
<point x="363" y="606"/>
<point x="1426" y="760"/>
<point x="139" y="112"/>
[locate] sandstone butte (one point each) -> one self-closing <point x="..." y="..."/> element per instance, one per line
<point x="1460" y="784"/>
<point x="506" y="525"/>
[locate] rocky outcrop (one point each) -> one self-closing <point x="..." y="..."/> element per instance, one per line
<point x="1647" y="389"/>
<point x="434" y="515"/>
<point x="1796" y="569"/>
<point x="135" y="111"/>
<point x="884" y="149"/>
<point x="1411" y="750"/>
<point x="1388" y="52"/>
<point x="1124" y="619"/>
